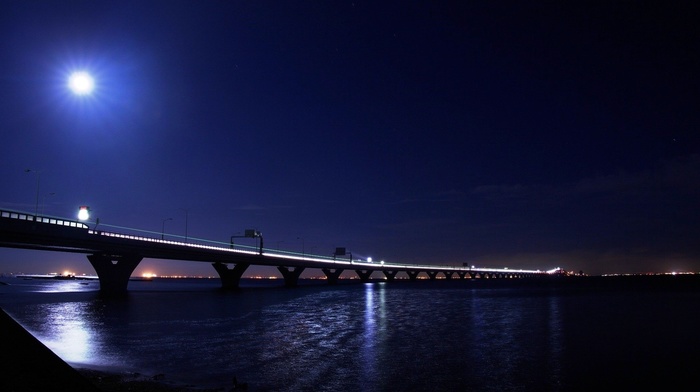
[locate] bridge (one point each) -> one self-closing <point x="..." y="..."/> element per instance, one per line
<point x="115" y="256"/>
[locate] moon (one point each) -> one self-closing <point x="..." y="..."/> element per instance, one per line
<point x="81" y="83"/>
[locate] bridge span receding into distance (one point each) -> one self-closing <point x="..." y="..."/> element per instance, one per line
<point x="115" y="256"/>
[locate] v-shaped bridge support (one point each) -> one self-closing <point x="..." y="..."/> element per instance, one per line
<point x="114" y="271"/>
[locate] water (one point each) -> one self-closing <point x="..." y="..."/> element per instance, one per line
<point x="401" y="336"/>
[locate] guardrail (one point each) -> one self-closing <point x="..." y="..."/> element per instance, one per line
<point x="42" y="219"/>
<point x="276" y="254"/>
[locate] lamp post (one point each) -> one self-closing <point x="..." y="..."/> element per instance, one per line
<point x="84" y="213"/>
<point x="162" y="233"/>
<point x="303" y="253"/>
<point x="187" y="213"/>
<point x="43" y="201"/>
<point x="38" y="175"/>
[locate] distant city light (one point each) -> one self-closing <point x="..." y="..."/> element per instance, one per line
<point x="84" y="213"/>
<point x="81" y="83"/>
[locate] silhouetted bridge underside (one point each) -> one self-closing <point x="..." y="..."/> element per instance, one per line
<point x="115" y="256"/>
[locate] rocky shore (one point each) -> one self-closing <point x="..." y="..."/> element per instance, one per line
<point x="134" y="382"/>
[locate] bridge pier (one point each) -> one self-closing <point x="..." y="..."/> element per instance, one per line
<point x="413" y="275"/>
<point x="332" y="275"/>
<point x="390" y="275"/>
<point x="114" y="271"/>
<point x="230" y="277"/>
<point x="462" y="274"/>
<point x="432" y="274"/>
<point x="291" y="277"/>
<point x="364" y="274"/>
<point x="448" y="274"/>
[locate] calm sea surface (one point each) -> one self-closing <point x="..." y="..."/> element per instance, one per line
<point x="484" y="335"/>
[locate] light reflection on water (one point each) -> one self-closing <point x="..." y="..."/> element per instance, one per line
<point x="372" y="342"/>
<point x="312" y="340"/>
<point x="369" y="337"/>
<point x="68" y="331"/>
<point x="555" y="333"/>
<point x="69" y="286"/>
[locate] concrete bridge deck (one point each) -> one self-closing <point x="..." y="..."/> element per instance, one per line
<point x="114" y="256"/>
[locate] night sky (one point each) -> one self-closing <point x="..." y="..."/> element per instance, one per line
<point x="502" y="134"/>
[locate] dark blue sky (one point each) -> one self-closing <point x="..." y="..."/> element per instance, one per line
<point x="503" y="134"/>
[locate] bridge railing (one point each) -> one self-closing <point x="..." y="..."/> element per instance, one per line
<point x="42" y="219"/>
<point x="156" y="237"/>
<point x="169" y="242"/>
<point x="222" y="246"/>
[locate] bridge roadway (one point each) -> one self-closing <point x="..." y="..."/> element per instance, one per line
<point x="114" y="256"/>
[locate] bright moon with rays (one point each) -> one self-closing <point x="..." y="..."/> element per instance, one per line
<point x="81" y="83"/>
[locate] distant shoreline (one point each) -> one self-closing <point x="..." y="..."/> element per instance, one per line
<point x="553" y="278"/>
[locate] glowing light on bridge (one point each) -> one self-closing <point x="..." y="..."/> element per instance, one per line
<point x="149" y="275"/>
<point x="84" y="213"/>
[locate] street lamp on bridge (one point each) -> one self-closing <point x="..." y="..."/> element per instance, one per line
<point x="43" y="201"/>
<point x="187" y="213"/>
<point x="38" y="175"/>
<point x="84" y="213"/>
<point x="162" y="233"/>
<point x="303" y="252"/>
